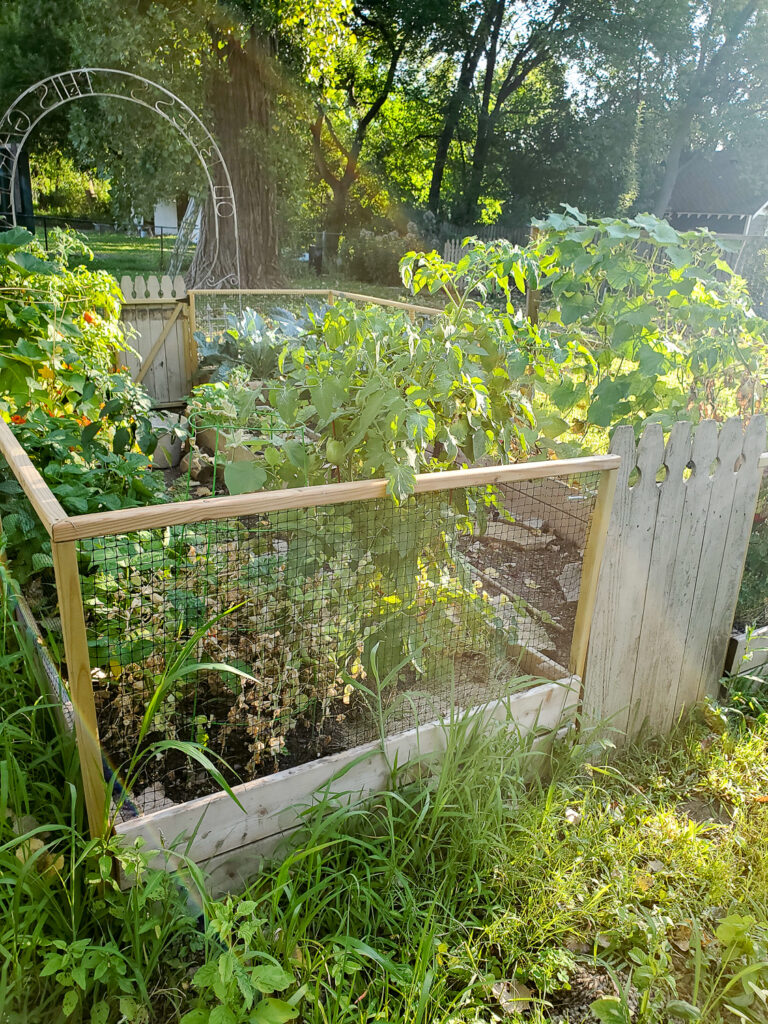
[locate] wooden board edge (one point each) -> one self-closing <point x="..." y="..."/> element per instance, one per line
<point x="41" y="497"/>
<point x="741" y="645"/>
<point x="104" y="524"/>
<point x="274" y="804"/>
<point x="48" y="675"/>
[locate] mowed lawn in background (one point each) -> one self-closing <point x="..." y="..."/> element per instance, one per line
<point x="127" y="254"/>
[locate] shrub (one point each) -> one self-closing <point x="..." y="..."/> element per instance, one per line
<point x="375" y="258"/>
<point x="85" y="426"/>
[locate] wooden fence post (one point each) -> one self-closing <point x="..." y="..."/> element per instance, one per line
<point x="80" y="684"/>
<point x="590" y="570"/>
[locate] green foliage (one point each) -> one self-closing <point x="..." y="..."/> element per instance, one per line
<point x="375" y="258"/>
<point x="249" y="341"/>
<point x="669" y="325"/>
<point x="238" y="982"/>
<point x="60" y="188"/>
<point x="85" y="427"/>
<point x="414" y="907"/>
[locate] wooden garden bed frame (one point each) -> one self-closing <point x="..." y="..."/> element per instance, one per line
<point x="162" y="314"/>
<point x="65" y="531"/>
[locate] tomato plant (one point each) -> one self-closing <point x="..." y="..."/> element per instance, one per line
<point x="85" y="426"/>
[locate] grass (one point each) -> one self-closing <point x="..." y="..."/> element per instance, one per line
<point x="476" y="894"/>
<point x="127" y="254"/>
<point x="130" y="255"/>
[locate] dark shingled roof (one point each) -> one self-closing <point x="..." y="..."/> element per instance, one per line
<point x="716" y="184"/>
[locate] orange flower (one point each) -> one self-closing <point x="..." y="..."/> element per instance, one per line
<point x="18" y="419"/>
<point x="84" y="421"/>
<point x="89" y="317"/>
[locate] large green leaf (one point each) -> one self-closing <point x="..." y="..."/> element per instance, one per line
<point x="244" y="477"/>
<point x="15" y="238"/>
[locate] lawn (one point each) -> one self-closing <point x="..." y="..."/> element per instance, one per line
<point x="128" y="254"/>
<point x="514" y="885"/>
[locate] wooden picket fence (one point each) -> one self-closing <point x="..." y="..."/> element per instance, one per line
<point x="161" y="318"/>
<point x="162" y="354"/>
<point x="670" y="578"/>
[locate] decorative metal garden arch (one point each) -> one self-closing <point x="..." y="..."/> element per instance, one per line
<point x="31" y="106"/>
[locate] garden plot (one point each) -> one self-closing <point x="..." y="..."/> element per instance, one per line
<point x="324" y="628"/>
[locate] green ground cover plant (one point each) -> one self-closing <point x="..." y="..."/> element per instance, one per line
<point x="477" y="893"/>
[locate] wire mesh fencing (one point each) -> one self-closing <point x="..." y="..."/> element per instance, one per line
<point x="749" y="655"/>
<point x="310" y="631"/>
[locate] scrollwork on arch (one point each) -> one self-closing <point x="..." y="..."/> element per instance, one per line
<point x="31" y="106"/>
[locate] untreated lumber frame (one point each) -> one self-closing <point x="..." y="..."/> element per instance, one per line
<point x="76" y="651"/>
<point x="329" y="293"/>
<point x="128" y="520"/>
<point x="66" y="530"/>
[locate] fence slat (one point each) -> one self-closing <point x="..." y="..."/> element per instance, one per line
<point x="659" y="608"/>
<point x="668" y="657"/>
<point x="604" y="696"/>
<point x="721" y="497"/>
<point x="742" y="513"/>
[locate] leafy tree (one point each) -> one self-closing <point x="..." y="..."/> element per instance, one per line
<point x="722" y="69"/>
<point x="231" y="62"/>
<point x="505" y="44"/>
<point x="390" y="38"/>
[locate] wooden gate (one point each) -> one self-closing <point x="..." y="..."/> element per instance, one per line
<point x="156" y="313"/>
<point x="670" y="578"/>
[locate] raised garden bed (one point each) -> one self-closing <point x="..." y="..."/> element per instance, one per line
<point x="326" y="624"/>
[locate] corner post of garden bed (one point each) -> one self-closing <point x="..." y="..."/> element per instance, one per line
<point x="590" y="570"/>
<point x="64" y="553"/>
<point x="78" y="659"/>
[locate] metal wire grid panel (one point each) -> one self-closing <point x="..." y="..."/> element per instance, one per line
<point x="217" y="312"/>
<point x="335" y="623"/>
<point x="752" y="607"/>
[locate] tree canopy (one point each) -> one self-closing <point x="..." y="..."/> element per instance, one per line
<point x="335" y="114"/>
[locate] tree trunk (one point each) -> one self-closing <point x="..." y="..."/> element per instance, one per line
<point x="241" y="102"/>
<point x="703" y="85"/>
<point x="672" y="168"/>
<point x="467" y="211"/>
<point x="453" y="113"/>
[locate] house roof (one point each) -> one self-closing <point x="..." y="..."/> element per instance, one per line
<point x="716" y="184"/>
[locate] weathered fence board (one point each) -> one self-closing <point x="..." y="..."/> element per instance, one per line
<point x="661" y="592"/>
<point x="670" y="577"/>
<point x="602" y="698"/>
<point x="157" y="311"/>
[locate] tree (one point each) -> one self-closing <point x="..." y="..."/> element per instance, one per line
<point x="506" y="43"/>
<point x="228" y="62"/>
<point x="669" y="79"/>
<point x="388" y="35"/>
<point x="720" y="70"/>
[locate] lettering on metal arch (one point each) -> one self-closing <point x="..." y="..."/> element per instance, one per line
<point x="46" y="95"/>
